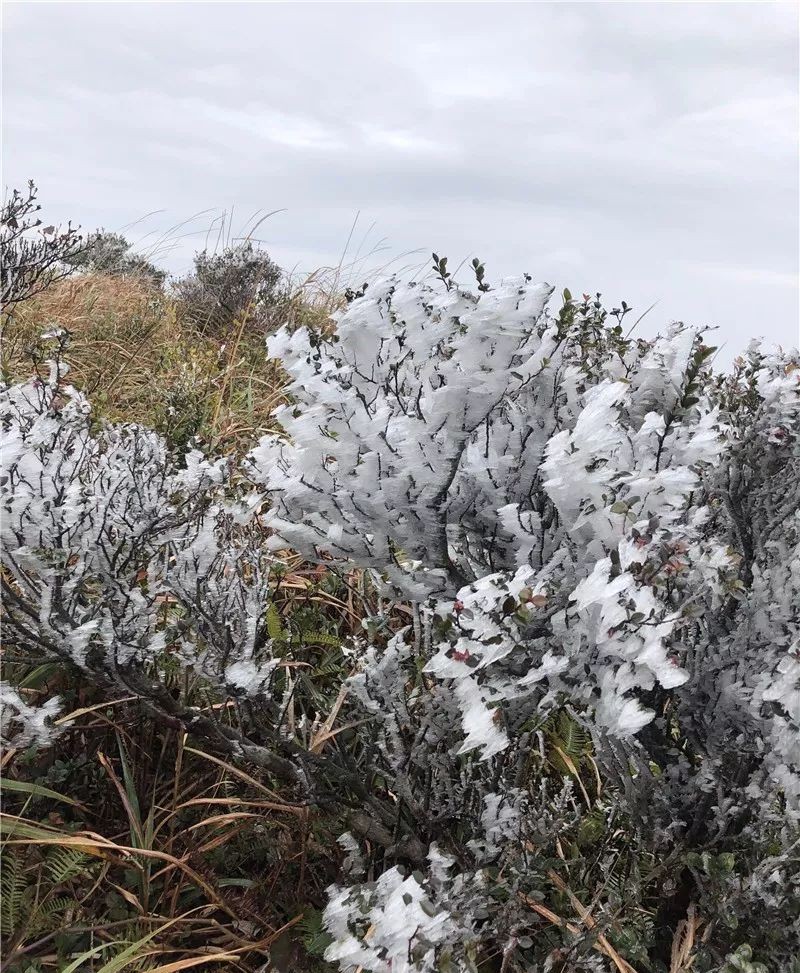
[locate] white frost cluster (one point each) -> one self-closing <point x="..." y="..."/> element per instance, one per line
<point x="115" y="555"/>
<point x="22" y="724"/>
<point x="400" y="923"/>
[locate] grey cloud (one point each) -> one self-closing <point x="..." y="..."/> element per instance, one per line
<point x="645" y="150"/>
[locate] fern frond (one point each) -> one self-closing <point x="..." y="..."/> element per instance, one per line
<point x="275" y="628"/>
<point x="317" y="638"/>
<point x="316" y="938"/>
<point x="13" y="885"/>
<point x="64" y="863"/>
<point x="55" y="913"/>
<point x="573" y="738"/>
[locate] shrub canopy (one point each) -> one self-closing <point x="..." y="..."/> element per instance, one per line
<point x="574" y="719"/>
<point x="238" y="285"/>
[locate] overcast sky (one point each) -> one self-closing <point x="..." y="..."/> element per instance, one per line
<point x="648" y="151"/>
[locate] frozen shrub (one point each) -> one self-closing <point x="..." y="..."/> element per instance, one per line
<point x="22" y="724"/>
<point x="602" y="541"/>
<point x="32" y="257"/>
<point x="110" y="253"/>
<point x="239" y="284"/>
<point x="577" y="746"/>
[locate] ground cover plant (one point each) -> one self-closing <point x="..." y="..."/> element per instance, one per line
<point x="479" y="654"/>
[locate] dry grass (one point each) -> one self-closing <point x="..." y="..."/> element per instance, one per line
<point x="133" y="353"/>
<point x="127" y="836"/>
<point x="170" y="851"/>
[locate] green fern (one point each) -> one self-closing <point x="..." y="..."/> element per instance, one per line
<point x="591" y="828"/>
<point x="571" y="737"/>
<point x="275" y="628"/>
<point x="317" y="638"/>
<point x="13" y="885"/>
<point x="315" y="937"/>
<point x="278" y="633"/>
<point x="52" y="914"/>
<point x="27" y="901"/>
<point x="65" y="863"/>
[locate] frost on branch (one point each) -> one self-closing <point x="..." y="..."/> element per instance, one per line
<point x="407" y="923"/>
<point x="591" y="528"/>
<point x="22" y="724"/>
<point x="389" y="425"/>
<point x="116" y="556"/>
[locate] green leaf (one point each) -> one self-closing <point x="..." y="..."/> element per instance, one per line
<point x="78" y="963"/>
<point x="726" y="862"/>
<point x="65" y="863"/>
<point x="37" y="791"/>
<point x="38" y="677"/>
<point x="275" y="628"/>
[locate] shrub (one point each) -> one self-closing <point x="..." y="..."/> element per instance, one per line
<point x="240" y="284"/>
<point x="32" y="257"/>
<point x="573" y="727"/>
<point x="111" y="254"/>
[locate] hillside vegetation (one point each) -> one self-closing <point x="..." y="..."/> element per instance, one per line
<point x="441" y="625"/>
